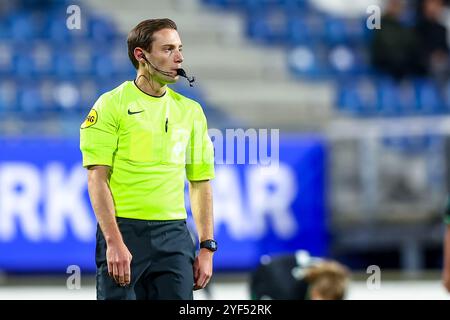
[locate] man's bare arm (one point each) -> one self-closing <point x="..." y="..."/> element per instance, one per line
<point x="117" y="254"/>
<point x="200" y="193"/>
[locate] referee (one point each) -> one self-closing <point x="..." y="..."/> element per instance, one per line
<point x="139" y="142"/>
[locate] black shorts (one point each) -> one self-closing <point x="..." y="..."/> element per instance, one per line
<point x="162" y="265"/>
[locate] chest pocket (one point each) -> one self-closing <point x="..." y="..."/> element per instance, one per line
<point x="174" y="144"/>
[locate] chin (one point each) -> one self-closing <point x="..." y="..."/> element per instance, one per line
<point x="172" y="80"/>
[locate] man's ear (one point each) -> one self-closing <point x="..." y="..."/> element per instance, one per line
<point x="139" y="54"/>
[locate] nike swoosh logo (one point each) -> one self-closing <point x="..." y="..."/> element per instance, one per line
<point x="131" y="112"/>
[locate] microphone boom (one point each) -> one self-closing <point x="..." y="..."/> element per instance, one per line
<point x="182" y="73"/>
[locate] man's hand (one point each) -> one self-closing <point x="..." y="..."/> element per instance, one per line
<point x="203" y="268"/>
<point x="119" y="259"/>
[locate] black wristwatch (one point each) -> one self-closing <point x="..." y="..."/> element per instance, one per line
<point x="209" y="244"/>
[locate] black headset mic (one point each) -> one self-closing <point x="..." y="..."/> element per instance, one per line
<point x="180" y="72"/>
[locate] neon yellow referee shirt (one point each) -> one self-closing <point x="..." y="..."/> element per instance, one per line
<point x="151" y="144"/>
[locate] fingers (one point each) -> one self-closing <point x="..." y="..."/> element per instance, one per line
<point x="124" y="273"/>
<point x="127" y="273"/>
<point x="121" y="273"/>
<point x="202" y="280"/>
<point x="121" y="276"/>
<point x="115" y="272"/>
<point x="110" y="269"/>
<point x="196" y="271"/>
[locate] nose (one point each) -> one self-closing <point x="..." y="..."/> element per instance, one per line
<point x="179" y="57"/>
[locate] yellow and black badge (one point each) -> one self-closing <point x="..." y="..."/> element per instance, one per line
<point x="91" y="119"/>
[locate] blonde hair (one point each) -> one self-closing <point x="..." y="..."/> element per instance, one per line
<point x="328" y="279"/>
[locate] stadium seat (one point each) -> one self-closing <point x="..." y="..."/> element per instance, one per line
<point x="357" y="97"/>
<point x="268" y="27"/>
<point x="343" y="61"/>
<point x="67" y="96"/>
<point x="388" y="100"/>
<point x="303" y="29"/>
<point x="6" y="59"/>
<point x="429" y="99"/>
<point x="29" y="99"/>
<point x="42" y="57"/>
<point x="20" y="27"/>
<point x="8" y="95"/>
<point x="101" y="29"/>
<point x="306" y="62"/>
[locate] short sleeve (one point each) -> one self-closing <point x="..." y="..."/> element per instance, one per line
<point x="98" y="134"/>
<point x="200" y="150"/>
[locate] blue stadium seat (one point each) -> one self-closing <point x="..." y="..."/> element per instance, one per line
<point x="104" y="65"/>
<point x="67" y="96"/>
<point x="6" y="58"/>
<point x="267" y="27"/>
<point x="101" y="29"/>
<point x="348" y="100"/>
<point x="407" y="98"/>
<point x="303" y="29"/>
<point x="89" y="91"/>
<point x="42" y="58"/>
<point x="429" y="99"/>
<point x="20" y="26"/>
<point x="345" y="61"/>
<point x="388" y="100"/>
<point x="335" y="31"/>
<point x="29" y="99"/>
<point x="304" y="61"/>
<point x="47" y="94"/>
<point x="64" y="64"/>
<point x="357" y="97"/>
<point x="344" y="31"/>
<point x="24" y="64"/>
<point x="8" y="95"/>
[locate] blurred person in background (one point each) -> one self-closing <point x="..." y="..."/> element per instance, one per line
<point x="299" y="277"/>
<point x="432" y="35"/>
<point x="139" y="142"/>
<point x="395" y="47"/>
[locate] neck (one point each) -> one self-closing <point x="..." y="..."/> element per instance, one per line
<point x="147" y="83"/>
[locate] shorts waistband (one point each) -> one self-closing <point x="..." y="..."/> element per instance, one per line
<point x="149" y="222"/>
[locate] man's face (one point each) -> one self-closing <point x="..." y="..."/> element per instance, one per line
<point x="166" y="54"/>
